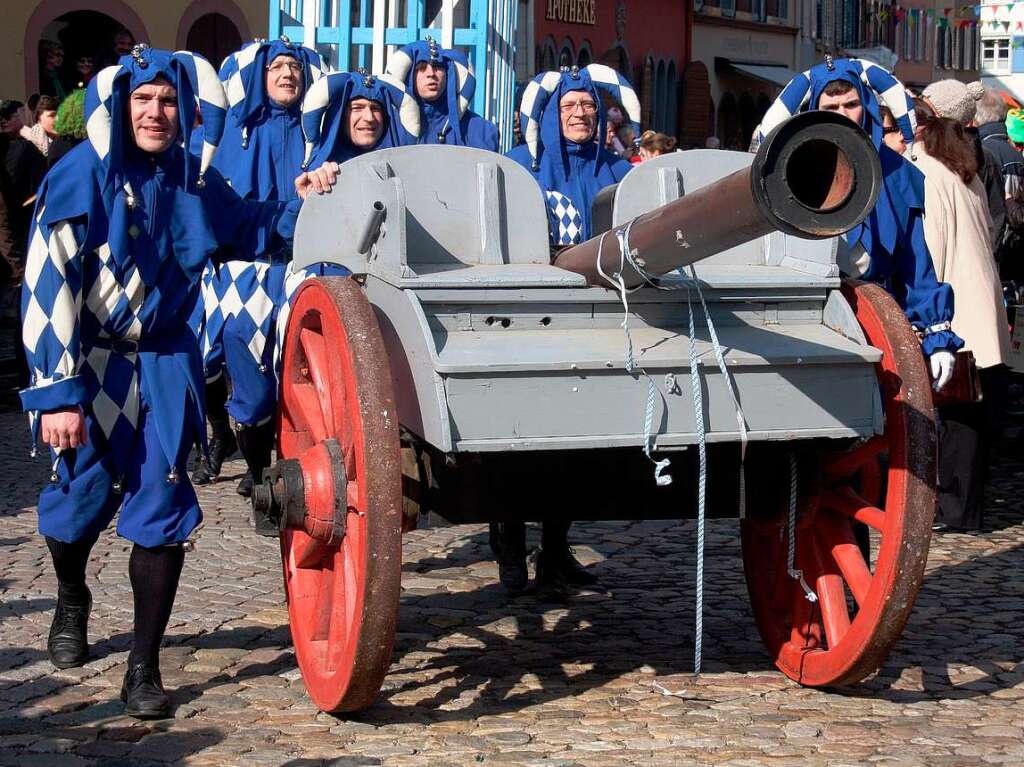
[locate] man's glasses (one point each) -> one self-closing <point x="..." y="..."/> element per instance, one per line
<point x="588" y="107"/>
<point x="279" y="67"/>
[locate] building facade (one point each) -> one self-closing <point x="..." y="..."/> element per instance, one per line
<point x="648" y="41"/>
<point x="749" y="50"/>
<point x="1002" y="47"/>
<point x="87" y="27"/>
<point x="920" y="40"/>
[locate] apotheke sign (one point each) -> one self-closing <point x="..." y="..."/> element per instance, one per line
<point x="571" y="11"/>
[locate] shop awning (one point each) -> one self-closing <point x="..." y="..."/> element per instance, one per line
<point x="769" y="73"/>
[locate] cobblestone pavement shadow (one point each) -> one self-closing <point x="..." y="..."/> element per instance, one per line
<point x="602" y="679"/>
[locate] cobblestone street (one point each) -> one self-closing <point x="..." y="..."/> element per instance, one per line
<point x="600" y="680"/>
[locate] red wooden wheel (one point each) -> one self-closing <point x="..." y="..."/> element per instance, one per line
<point x="342" y="595"/>
<point x="862" y="606"/>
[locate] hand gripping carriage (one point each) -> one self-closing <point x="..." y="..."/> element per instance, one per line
<point x="468" y="370"/>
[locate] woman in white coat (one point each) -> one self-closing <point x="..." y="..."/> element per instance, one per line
<point x="957" y="229"/>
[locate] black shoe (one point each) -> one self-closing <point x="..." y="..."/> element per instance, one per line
<point x="143" y="693"/>
<point x="68" y="643"/>
<point x="221" y="448"/>
<point x="508" y="542"/>
<point x="244" y="488"/>
<point x="513" y="574"/>
<point x="560" y="568"/>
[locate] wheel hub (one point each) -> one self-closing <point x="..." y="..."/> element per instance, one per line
<point x="308" y="493"/>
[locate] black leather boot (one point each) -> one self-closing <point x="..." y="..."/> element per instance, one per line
<point x="556" y="566"/>
<point x="68" y="643"/>
<point x="143" y="693"/>
<point x="222" y="447"/>
<point x="257" y="445"/>
<point x="222" y="443"/>
<point x="508" y="542"/>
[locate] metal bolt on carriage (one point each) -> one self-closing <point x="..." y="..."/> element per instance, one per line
<point x="460" y="370"/>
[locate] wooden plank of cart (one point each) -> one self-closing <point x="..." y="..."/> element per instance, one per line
<point x="462" y="365"/>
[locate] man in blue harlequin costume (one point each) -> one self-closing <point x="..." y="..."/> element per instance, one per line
<point x="889" y="246"/>
<point x="561" y="114"/>
<point x="440" y="80"/>
<point x="260" y="156"/>
<point x="344" y="115"/>
<point x="122" y="229"/>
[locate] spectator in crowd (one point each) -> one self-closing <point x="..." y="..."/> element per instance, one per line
<point x="43" y="131"/>
<point x="958" y="232"/>
<point x="993" y="123"/>
<point x="891" y="133"/>
<point x="654" y="144"/>
<point x="712" y="142"/>
<point x="612" y="141"/>
<point x="85" y="69"/>
<point x="957" y="101"/>
<point x="69" y="125"/>
<point x="23" y="167"/>
<point x="51" y="81"/>
<point x="121" y="45"/>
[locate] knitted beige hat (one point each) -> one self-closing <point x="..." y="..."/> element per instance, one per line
<point x="954" y="99"/>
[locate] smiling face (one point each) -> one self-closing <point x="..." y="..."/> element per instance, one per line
<point x="364" y="122"/>
<point x="578" y="115"/>
<point x="154" y="115"/>
<point x="284" y="80"/>
<point x="430" y="80"/>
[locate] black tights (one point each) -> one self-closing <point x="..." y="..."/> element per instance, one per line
<point x="154" y="575"/>
<point x="69" y="560"/>
<point x="216" y="406"/>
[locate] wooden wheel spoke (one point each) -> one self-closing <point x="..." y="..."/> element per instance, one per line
<point x="847" y="501"/>
<point x="834" y="615"/>
<point x="303" y="411"/>
<point x="319" y="368"/>
<point x="837" y="538"/>
<point x="845" y="465"/>
<point x="324" y="605"/>
<point x="307" y="552"/>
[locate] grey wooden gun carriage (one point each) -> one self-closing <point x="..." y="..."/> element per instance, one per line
<point x="461" y="367"/>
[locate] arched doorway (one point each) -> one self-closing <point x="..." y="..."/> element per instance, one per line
<point x="660" y="97"/>
<point x="547" y="58"/>
<point x="80" y="28"/>
<point x="672" y="108"/>
<point x="584" y="57"/>
<point x="214" y="36"/>
<point x="566" y="56"/>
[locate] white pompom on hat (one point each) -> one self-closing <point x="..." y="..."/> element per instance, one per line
<point x="954" y="99"/>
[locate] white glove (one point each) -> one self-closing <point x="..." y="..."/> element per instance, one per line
<point x="942" y="363"/>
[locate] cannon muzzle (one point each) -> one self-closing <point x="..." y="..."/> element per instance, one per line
<point x="816" y="176"/>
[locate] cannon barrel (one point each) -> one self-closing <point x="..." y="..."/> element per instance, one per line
<point x="816" y="176"/>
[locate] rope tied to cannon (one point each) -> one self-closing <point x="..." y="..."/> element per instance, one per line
<point x="797" y="575"/>
<point x="680" y="281"/>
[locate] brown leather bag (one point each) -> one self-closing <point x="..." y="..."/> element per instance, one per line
<point x="964" y="387"/>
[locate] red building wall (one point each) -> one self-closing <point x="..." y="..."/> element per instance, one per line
<point x="646" y="40"/>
